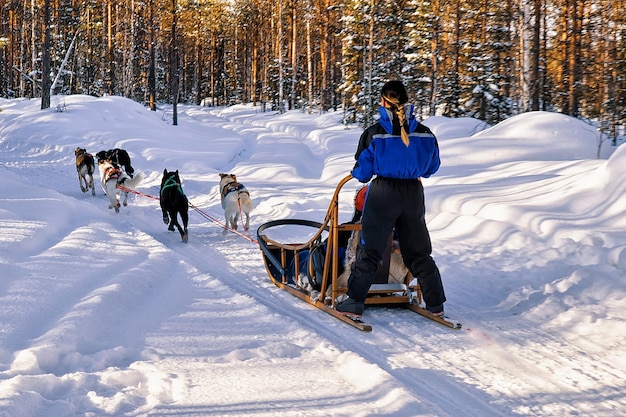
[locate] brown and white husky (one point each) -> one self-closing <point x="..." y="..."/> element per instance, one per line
<point x="235" y="200"/>
<point x="85" y="166"/>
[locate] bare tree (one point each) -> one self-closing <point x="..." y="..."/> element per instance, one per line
<point x="45" y="58"/>
<point x="279" y="53"/>
<point x="575" y="10"/>
<point x="294" y="54"/>
<point x="174" y="71"/>
<point x="152" y="58"/>
<point x="434" y="54"/>
<point x="309" y="56"/>
<point x="535" y="84"/>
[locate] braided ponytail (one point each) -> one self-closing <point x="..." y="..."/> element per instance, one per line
<point x="394" y="93"/>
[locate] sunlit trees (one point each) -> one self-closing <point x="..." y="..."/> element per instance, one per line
<point x="459" y="57"/>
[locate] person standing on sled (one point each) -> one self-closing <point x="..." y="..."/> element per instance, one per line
<point x="398" y="151"/>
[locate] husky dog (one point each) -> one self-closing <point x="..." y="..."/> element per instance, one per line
<point x="85" y="165"/>
<point x="235" y="199"/>
<point x="174" y="202"/>
<point x="119" y="157"/>
<point x="111" y="176"/>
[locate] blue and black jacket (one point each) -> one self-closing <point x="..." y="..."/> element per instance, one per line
<point x="381" y="151"/>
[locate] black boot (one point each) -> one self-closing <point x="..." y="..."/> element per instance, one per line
<point x="351" y="307"/>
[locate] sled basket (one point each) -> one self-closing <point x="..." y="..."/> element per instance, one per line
<point x="286" y="262"/>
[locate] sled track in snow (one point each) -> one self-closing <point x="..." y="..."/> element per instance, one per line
<point x="506" y="339"/>
<point x="444" y="381"/>
<point x="407" y="329"/>
<point x="341" y="335"/>
<point x="455" y="376"/>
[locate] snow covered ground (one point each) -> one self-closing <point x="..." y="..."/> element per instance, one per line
<point x="105" y="314"/>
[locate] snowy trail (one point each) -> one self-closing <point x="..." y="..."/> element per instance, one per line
<point x="466" y="364"/>
<point x="515" y="358"/>
<point x="243" y="278"/>
<point x="337" y="340"/>
<point x="503" y="344"/>
<point x="111" y="315"/>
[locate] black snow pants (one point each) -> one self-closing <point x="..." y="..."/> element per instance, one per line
<point x="396" y="203"/>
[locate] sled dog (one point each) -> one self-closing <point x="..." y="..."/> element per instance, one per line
<point x="119" y="157"/>
<point x="111" y="176"/>
<point x="85" y="166"/>
<point x="173" y="202"/>
<point x="235" y="200"/>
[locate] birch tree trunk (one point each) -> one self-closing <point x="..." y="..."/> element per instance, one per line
<point x="62" y="66"/>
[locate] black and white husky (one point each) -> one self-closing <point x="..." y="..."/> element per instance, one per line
<point x="235" y="200"/>
<point x="111" y="176"/>
<point x="119" y="157"/>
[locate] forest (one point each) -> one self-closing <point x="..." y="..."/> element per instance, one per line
<point x="478" y="58"/>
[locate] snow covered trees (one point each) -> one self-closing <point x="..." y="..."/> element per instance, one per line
<point x="459" y="57"/>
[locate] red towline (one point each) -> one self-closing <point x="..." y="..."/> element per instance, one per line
<point x="202" y="213"/>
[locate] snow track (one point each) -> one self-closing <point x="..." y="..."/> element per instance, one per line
<point x="111" y="315"/>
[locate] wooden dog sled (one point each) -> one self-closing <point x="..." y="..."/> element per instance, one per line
<point x="283" y="262"/>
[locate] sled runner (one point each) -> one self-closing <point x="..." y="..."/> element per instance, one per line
<point x="312" y="270"/>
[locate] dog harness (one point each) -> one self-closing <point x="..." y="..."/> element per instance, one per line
<point x="112" y="173"/>
<point x="234" y="186"/>
<point x="171" y="182"/>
